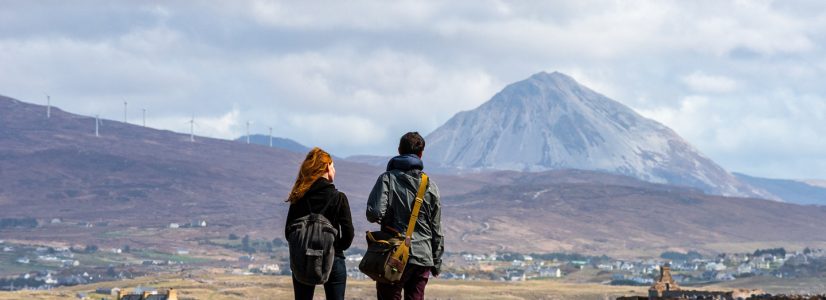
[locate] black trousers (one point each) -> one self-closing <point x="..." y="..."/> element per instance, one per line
<point x="333" y="288"/>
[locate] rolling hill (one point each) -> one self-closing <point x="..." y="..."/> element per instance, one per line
<point x="131" y="182"/>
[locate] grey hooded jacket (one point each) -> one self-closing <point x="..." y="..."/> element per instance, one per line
<point x="391" y="202"/>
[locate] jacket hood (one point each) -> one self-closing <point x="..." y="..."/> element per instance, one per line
<point x="405" y="163"/>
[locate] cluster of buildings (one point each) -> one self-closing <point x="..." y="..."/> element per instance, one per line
<point x="191" y="224"/>
<point x="724" y="267"/>
<point x="60" y="255"/>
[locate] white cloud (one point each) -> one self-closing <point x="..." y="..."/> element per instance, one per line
<point x="344" y="131"/>
<point x="701" y="82"/>
<point x="361" y="15"/>
<point x="224" y="126"/>
<point x="752" y="134"/>
<point x="397" y="91"/>
<point x="742" y="80"/>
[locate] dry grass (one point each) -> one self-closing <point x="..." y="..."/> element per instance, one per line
<point x="279" y="287"/>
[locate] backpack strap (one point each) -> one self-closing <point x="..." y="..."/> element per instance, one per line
<point x="416" y="207"/>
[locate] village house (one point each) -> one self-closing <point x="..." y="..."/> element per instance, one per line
<point x="515" y="275"/>
<point x="354" y="257"/>
<point x="744" y="268"/>
<point x="270" y="269"/>
<point x="108" y="291"/>
<point x="198" y="223"/>
<point x="170" y="294"/>
<point x="550" y="272"/>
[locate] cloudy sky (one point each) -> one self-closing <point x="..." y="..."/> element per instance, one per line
<point x="743" y="81"/>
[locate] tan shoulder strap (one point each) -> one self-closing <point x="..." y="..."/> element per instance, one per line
<point x="418" y="205"/>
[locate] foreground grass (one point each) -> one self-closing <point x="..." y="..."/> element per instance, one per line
<point x="280" y="287"/>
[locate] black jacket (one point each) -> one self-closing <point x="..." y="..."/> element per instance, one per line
<point x="338" y="212"/>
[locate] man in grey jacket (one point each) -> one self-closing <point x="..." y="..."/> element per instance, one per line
<point x="390" y="204"/>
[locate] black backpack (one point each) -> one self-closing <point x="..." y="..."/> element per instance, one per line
<point x="311" y="240"/>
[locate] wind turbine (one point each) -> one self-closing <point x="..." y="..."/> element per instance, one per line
<point x="98" y="122"/>
<point x="124" y="112"/>
<point x="270" y="137"/>
<point x="192" y="129"/>
<point x="144" y="117"/>
<point x="48" y="106"/>
<point x="248" y="132"/>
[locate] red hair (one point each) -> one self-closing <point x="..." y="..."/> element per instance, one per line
<point x="313" y="167"/>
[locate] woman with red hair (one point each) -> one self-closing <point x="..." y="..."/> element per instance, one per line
<point x="314" y="192"/>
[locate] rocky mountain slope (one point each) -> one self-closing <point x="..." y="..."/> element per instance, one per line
<point x="551" y="122"/>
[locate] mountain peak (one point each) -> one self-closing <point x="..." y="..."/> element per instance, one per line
<point x="555" y="75"/>
<point x="549" y="121"/>
<point x="554" y="78"/>
<point x="544" y="92"/>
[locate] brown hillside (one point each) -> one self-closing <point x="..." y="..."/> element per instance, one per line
<point x="135" y="178"/>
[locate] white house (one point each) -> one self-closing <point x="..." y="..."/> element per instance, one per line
<point x="550" y="272"/>
<point x="270" y="269"/>
<point x="354" y="257"/>
<point x="715" y="267"/>
<point x="528" y="258"/>
<point x="744" y="268"/>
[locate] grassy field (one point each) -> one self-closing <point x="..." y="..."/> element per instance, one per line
<point x="777" y="285"/>
<point x="280" y="287"/>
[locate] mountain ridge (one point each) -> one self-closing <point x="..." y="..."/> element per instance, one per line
<point x="792" y="191"/>
<point x="138" y="180"/>
<point x="549" y="121"/>
<point x="277" y="142"/>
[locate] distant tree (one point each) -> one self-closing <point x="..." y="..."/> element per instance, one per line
<point x="678" y="256"/>
<point x="277" y="242"/>
<point x="91" y="249"/>
<point x="245" y="245"/>
<point x="511" y="256"/>
<point x="18" y="223"/>
<point x="233" y="236"/>
<point x="692" y="255"/>
<point x="269" y="246"/>
<point x="774" y="251"/>
<point x="110" y="271"/>
<point x="126" y="249"/>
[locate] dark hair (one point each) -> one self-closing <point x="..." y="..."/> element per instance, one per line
<point x="411" y="143"/>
